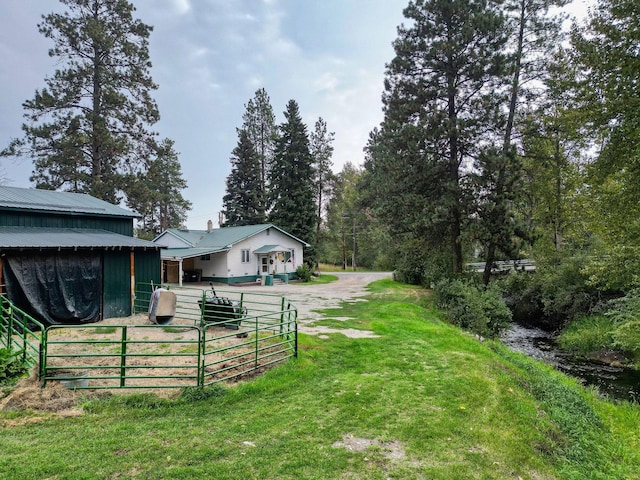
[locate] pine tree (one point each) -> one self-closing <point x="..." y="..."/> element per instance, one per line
<point x="321" y="149"/>
<point x="243" y="201"/>
<point x="534" y="35"/>
<point x="88" y="128"/>
<point x="291" y="178"/>
<point x="440" y="105"/>
<point x="259" y="122"/>
<point x="156" y="193"/>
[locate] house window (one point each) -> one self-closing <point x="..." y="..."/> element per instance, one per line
<point x="205" y="257"/>
<point x="245" y="256"/>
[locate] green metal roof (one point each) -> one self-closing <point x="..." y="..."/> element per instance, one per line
<point x="44" y="238"/>
<point x="203" y="242"/>
<point x="223" y="238"/>
<point x="32" y="199"/>
<point x="271" y="248"/>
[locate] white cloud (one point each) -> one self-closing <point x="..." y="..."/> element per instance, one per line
<point x="181" y="7"/>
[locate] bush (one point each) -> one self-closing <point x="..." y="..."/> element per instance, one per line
<point x="627" y="337"/>
<point x="304" y="273"/>
<point x="480" y="311"/>
<point x="409" y="270"/>
<point x="12" y="366"/>
<point x="553" y="296"/>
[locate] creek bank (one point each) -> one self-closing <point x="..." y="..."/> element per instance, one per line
<point x="608" y="371"/>
<point x="612" y="358"/>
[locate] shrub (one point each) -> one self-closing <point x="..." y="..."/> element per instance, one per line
<point x="552" y="296"/>
<point x="304" y="273"/>
<point x="409" y="270"/>
<point x="480" y="311"/>
<point x="11" y="366"/>
<point x="627" y="337"/>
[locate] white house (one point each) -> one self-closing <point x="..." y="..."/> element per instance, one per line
<point x="230" y="254"/>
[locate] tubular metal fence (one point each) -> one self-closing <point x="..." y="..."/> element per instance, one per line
<point x="211" y="338"/>
<point x="19" y="331"/>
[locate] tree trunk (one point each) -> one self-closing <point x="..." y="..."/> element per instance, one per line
<point x="454" y="178"/>
<point x="506" y="146"/>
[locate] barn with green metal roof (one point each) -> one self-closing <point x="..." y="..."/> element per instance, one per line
<point x="231" y="254"/>
<point x="69" y="258"/>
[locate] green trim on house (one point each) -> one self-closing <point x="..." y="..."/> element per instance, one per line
<point x="231" y="280"/>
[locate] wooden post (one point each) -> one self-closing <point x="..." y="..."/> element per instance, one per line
<point x="132" y="269"/>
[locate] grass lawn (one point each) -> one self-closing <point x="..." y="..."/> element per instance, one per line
<point x="423" y="400"/>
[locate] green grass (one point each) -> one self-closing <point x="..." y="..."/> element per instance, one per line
<point x="102" y="330"/>
<point x="327" y="267"/>
<point x="322" y="278"/>
<point x="456" y="407"/>
<point x="588" y="334"/>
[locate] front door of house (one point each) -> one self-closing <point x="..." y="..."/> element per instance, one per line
<point x="264" y="265"/>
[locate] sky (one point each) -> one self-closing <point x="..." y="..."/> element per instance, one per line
<point x="210" y="56"/>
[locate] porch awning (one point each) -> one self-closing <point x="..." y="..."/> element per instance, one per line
<point x="271" y="249"/>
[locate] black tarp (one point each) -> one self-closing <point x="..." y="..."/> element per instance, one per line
<point x="55" y="288"/>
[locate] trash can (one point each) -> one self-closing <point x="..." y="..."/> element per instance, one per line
<point x="269" y="280"/>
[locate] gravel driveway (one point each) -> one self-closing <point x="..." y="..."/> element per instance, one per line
<point x="307" y="298"/>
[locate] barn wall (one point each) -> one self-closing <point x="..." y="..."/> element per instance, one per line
<point x="116" y="284"/>
<point x="123" y="226"/>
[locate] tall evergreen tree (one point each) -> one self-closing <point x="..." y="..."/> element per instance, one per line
<point x="156" y="193"/>
<point x="534" y="35"/>
<point x="439" y="106"/>
<point x="243" y="201"/>
<point x="321" y="148"/>
<point x="291" y="178"/>
<point x="88" y="128"/>
<point x="259" y="122"/>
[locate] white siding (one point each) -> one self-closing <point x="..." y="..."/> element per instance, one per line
<point x="274" y="237"/>
<point x="216" y="266"/>
<point x="170" y="241"/>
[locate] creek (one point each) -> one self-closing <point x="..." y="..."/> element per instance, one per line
<point x="616" y="382"/>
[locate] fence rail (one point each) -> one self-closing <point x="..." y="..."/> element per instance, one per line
<point x="19" y="331"/>
<point x="201" y="346"/>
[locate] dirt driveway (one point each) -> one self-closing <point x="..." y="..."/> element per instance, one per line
<point x="350" y="286"/>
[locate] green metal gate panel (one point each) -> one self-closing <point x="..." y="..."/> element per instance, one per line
<point x="116" y="284"/>
<point x="148" y="270"/>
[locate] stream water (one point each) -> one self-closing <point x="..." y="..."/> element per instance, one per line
<point x="616" y="382"/>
